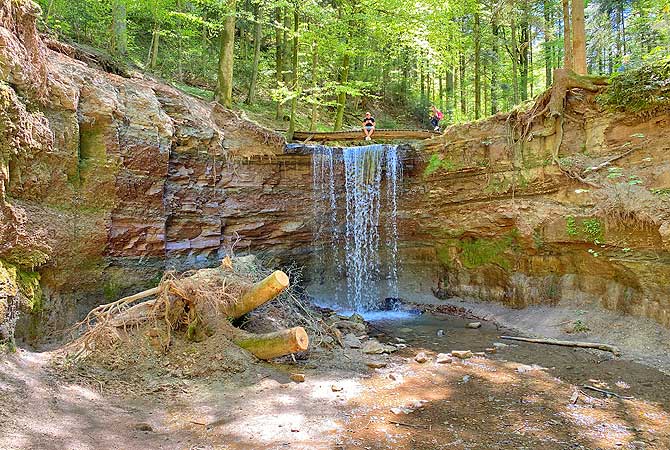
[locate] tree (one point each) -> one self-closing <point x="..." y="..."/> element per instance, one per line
<point x="224" y="83"/>
<point x="119" y="42"/>
<point x="578" y="37"/>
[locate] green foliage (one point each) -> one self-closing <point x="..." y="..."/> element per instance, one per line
<point x="437" y="162"/>
<point x="593" y="228"/>
<point x="578" y="326"/>
<point x="643" y="89"/>
<point x="571" y="226"/>
<point x="26" y="281"/>
<point x="478" y="252"/>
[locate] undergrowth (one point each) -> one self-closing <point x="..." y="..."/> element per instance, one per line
<point x="642" y="90"/>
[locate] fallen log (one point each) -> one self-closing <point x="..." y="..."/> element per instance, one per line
<point x="262" y="292"/>
<point x="598" y="346"/>
<point x="275" y="344"/>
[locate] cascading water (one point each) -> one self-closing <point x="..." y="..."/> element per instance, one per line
<point x="347" y="232"/>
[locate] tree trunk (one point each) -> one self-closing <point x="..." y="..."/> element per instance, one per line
<point x="494" y="61"/>
<point x="342" y="95"/>
<point x="119" y="29"/>
<point x="262" y="292"/>
<point x="524" y="48"/>
<point x="548" y="67"/>
<point x="568" y="62"/>
<point x="294" y="87"/>
<point x="224" y="83"/>
<point x="477" y="67"/>
<point x="450" y="89"/>
<point x="154" y="48"/>
<point x="258" y="34"/>
<point x="515" y="62"/>
<point x="461" y="77"/>
<point x="273" y="345"/>
<point x="315" y="74"/>
<point x="279" y="58"/>
<point x="578" y="37"/>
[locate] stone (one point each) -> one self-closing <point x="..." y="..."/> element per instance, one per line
<point x="297" y="377"/>
<point x="336" y="388"/>
<point x="375" y="364"/>
<point x="490" y="350"/>
<point x="479" y="353"/>
<point x="357" y="318"/>
<point x="440" y="333"/>
<point x="143" y="426"/>
<point x="396" y="377"/>
<point x="443" y="358"/>
<point x="462" y="354"/>
<point x="500" y="345"/>
<point x="401" y="340"/>
<point x="350" y="326"/>
<point x="405" y="330"/>
<point x="351" y="341"/>
<point x="474" y="325"/>
<point x="421" y="357"/>
<point x="401" y="410"/>
<point x="373" y="347"/>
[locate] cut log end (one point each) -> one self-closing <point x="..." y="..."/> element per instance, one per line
<point x="260" y="293"/>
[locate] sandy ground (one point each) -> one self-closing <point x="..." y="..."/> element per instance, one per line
<point x="523" y="396"/>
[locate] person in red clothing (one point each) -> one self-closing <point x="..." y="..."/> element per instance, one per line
<point x="435" y="117"/>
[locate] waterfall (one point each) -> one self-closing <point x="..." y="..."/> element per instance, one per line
<point x="355" y="189"/>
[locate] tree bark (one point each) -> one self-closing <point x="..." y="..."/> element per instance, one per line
<point x="515" y="61"/>
<point x="279" y="58"/>
<point x="154" y="47"/>
<point x="273" y="345"/>
<point x="260" y="293"/>
<point x="315" y="75"/>
<point x="548" y="66"/>
<point x="119" y="42"/>
<point x="578" y="37"/>
<point x="494" y="61"/>
<point x="342" y="96"/>
<point x="294" y="87"/>
<point x="478" y="93"/>
<point x="224" y="84"/>
<point x="258" y="34"/>
<point x="568" y="62"/>
<point x="461" y="77"/>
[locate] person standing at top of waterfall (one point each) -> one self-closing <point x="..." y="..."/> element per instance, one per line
<point x="368" y="126"/>
<point x="435" y="117"/>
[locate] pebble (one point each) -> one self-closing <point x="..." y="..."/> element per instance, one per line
<point x="336" y="388"/>
<point x="143" y="426"/>
<point x="499" y="345"/>
<point x="421" y="357"/>
<point x="479" y="353"/>
<point x="462" y="354"/>
<point x="443" y="358"/>
<point x="466" y="379"/>
<point x="474" y="325"/>
<point x="490" y="350"/>
<point x="396" y="377"/>
<point x="375" y="364"/>
<point x="440" y="332"/>
<point x="297" y="377"/>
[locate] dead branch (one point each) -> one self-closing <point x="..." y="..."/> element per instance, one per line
<point x="603" y="347"/>
<point x="606" y="392"/>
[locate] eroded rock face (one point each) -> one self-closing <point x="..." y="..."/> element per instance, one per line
<point x="108" y="181"/>
<point x="503" y="223"/>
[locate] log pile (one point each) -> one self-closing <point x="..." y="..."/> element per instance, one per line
<point x="201" y="303"/>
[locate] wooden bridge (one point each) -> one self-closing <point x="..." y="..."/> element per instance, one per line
<point x="357" y="135"/>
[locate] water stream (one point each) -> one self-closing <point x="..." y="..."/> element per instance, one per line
<point x="356" y="230"/>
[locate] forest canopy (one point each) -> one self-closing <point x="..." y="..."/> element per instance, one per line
<point x="318" y="63"/>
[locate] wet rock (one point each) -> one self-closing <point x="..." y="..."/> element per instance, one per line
<point x="401" y="340"/>
<point x="349" y="326"/>
<point x="500" y="345"/>
<point x="297" y="377"/>
<point x="462" y="354"/>
<point x="357" y="318"/>
<point x="375" y="364"/>
<point x="421" y="357"/>
<point x="443" y="358"/>
<point x="390" y="304"/>
<point x="400" y="345"/>
<point x="474" y="325"/>
<point x="440" y="333"/>
<point x="405" y="330"/>
<point x="351" y="341"/>
<point x="374" y="347"/>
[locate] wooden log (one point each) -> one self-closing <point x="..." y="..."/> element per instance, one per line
<point x="262" y="292"/>
<point x="273" y="345"/>
<point x="598" y="346"/>
<point x="139" y="295"/>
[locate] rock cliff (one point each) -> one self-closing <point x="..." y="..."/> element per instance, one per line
<point x="107" y="180"/>
<point x="517" y="210"/>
